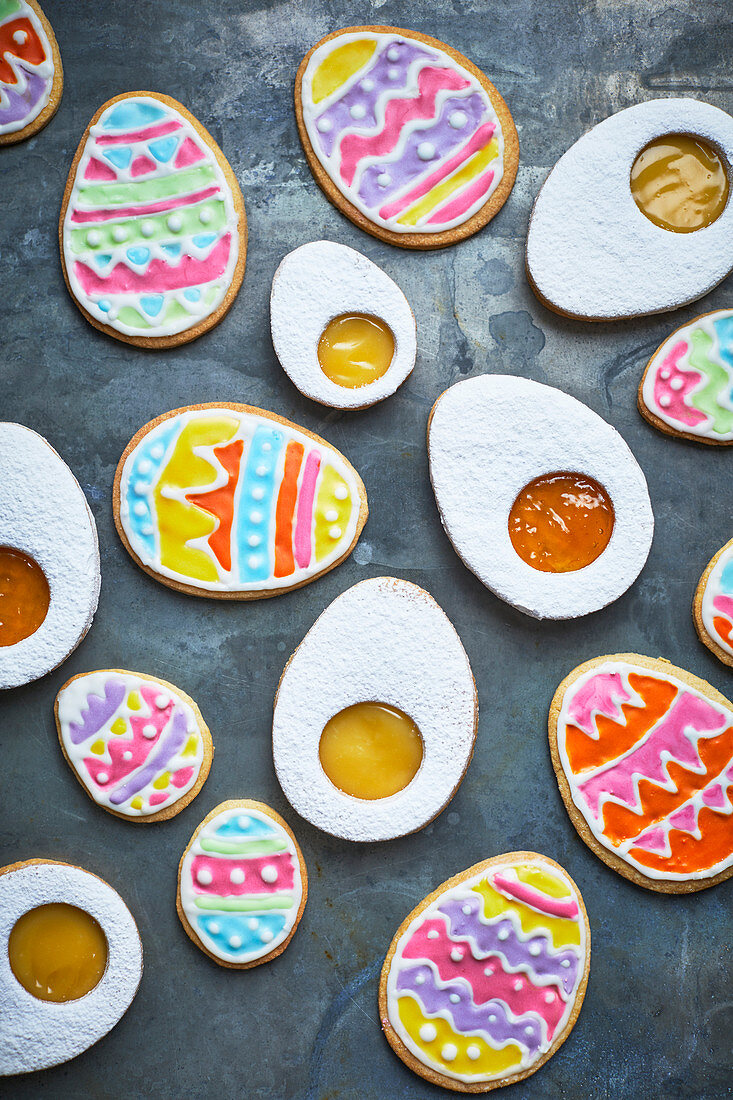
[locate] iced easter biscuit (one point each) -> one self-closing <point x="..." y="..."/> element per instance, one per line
<point x="228" y="501"/>
<point x="643" y="753"/>
<point x="342" y="329"/>
<point x="484" y="980"/>
<point x="49" y="558"/>
<point x="541" y="498"/>
<point x="634" y="218"/>
<point x="712" y="607"/>
<point x="375" y="714"/>
<point x="70" y="963"/>
<point x="687" y="387"/>
<point x="153" y="232"/>
<point x="138" y="745"/>
<point x="31" y="74"/>
<point x="405" y="135"/>
<point x="242" y="885"/>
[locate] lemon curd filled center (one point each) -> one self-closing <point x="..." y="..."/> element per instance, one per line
<point x="57" y="952"/>
<point x="24" y="596"/>
<point x="355" y="349"/>
<point x="680" y="183"/>
<point x="371" y="750"/>
<point x="561" y="522"/>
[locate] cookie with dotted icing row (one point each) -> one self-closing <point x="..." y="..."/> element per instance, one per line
<point x="406" y="136"/>
<point x="242" y="885"/>
<point x="484" y="980"/>
<point x="153" y="232"/>
<point x="643" y="754"/>
<point x="31" y="73"/>
<point x="712" y="608"/>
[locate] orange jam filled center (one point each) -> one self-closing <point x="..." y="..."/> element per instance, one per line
<point x="370" y="750"/>
<point x="57" y="952"/>
<point x="561" y="522"/>
<point x="24" y="596"/>
<point x="355" y="349"/>
<point x="680" y="183"/>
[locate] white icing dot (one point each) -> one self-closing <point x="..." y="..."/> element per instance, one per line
<point x="158" y="450"/>
<point x="236" y="875"/>
<point x="535" y="948"/>
<point x="253" y="924"/>
<point x="20" y="37"/>
<point x="565" y="963"/>
<point x="433" y="934"/>
<point x="334" y="532"/>
<point x="492" y="1018"/>
<point x="266" y="935"/>
<point x="266" y="447"/>
<point x="206" y="215"/>
<point x="676" y="384"/>
<point x="341" y="492"/>
<point x="384" y="179"/>
<point x="357" y="111"/>
<point x="428" y="1032"/>
<point x="457" y="119"/>
<point x="243" y="821"/>
<point x="467" y="910"/>
<point x="393" y="53"/>
<point x="488" y="971"/>
<point x="449" y="1052"/>
<point x="664" y="374"/>
<point x="235" y="942"/>
<point x="147" y="228"/>
<point x="454" y="998"/>
<point x="258" y="493"/>
<point x="214" y="928"/>
<point x="119" y="234"/>
<point x="268" y="873"/>
<point x="175" y="223"/>
<point x="665" y="400"/>
<point x="147" y="529"/>
<point x="367" y="85"/>
<point x="254" y="540"/>
<point x="255" y="517"/>
<point x="261" y="471"/>
<point x="529" y="1029"/>
<point x="145" y="466"/>
<point x="204" y="876"/>
<point x="127" y="755"/>
<point x="253" y="561"/>
<point x="140" y="487"/>
<point x="426" y="150"/>
<point x="140" y="508"/>
<point x="420" y="979"/>
<point x="102" y="777"/>
<point x="518" y="984"/>
<point x="456" y="954"/>
<point x="549" y="998"/>
<point x="503" y="934"/>
<point x="332" y="515"/>
<point x="473" y="1052"/>
<point x="393" y="74"/>
<point x="324" y="125"/>
<point x="149" y="731"/>
<point x="94" y="238"/>
<point x="161" y="702"/>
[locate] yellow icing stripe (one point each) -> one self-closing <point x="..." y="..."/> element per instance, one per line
<point x="98" y="748"/>
<point x="340" y="64"/>
<point x="178" y="522"/>
<point x="328" y="503"/>
<point x="192" y="746"/>
<point x="489" y="1061"/>
<point x="544" y="880"/>
<point x="162" y="781"/>
<point x="137" y="803"/>
<point x="133" y="701"/>
<point x="473" y="167"/>
<point x="119" y="726"/>
<point x="561" y="930"/>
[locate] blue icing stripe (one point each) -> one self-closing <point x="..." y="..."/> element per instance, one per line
<point x="192" y="294"/>
<point x="256" y="499"/>
<point x="145" y="468"/>
<point x="103" y="259"/>
<point x="164" y="148"/>
<point x="242" y="825"/>
<point x="120" y="156"/>
<point x="203" y="240"/>
<point x="139" y="255"/>
<point x="220" y="928"/>
<point x="724" y="331"/>
<point x="130" y="114"/>
<point x="172" y="250"/>
<point x="152" y="304"/>
<point x="726" y="578"/>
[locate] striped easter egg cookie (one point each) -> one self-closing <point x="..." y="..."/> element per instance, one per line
<point x="712" y="607"/>
<point x="242" y="885"/>
<point x="153" y="232"/>
<point x="31" y="73"/>
<point x="484" y="980"/>
<point x="643" y="754"/>
<point x="405" y="135"/>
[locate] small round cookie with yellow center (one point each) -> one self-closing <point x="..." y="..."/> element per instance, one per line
<point x="70" y="963"/>
<point x="712" y="607"/>
<point x="31" y="73"/>
<point x="342" y="329"/>
<point x="484" y="980"/>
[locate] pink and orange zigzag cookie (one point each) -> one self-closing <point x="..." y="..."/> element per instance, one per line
<point x="31" y="74"/>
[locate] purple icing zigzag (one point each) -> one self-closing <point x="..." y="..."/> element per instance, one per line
<point x="98" y="711"/>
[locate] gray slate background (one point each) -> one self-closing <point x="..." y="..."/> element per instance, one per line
<point x="658" y="1016"/>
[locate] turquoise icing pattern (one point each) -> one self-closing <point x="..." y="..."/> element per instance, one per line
<point x="221" y="928"/>
<point x="147" y="462"/>
<point x="254" y="539"/>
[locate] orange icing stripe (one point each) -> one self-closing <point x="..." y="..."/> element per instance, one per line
<point x="286" y="498"/>
<point x="723" y="628"/>
<point x="220" y="502"/>
<point x="690" y="854"/>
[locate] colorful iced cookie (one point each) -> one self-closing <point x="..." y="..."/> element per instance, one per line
<point x="242" y="885"/>
<point x="405" y="135"/>
<point x="153" y="230"/>
<point x="713" y="605"/>
<point x="643" y="753"/>
<point x="484" y="980"/>
<point x="138" y="745"/>
<point x="70" y="963"/>
<point x="634" y="218"/>
<point x="687" y="388"/>
<point x="375" y="714"/>
<point x="541" y="498"/>
<point x="342" y="329"/>
<point x="233" y="502"/>
<point x="49" y="558"/>
<point x="31" y="74"/>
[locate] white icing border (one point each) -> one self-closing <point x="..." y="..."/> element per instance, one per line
<point x="47" y="70"/>
<point x="711" y="590"/>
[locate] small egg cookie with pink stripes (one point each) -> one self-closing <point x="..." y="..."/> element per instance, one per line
<point x="712" y="608"/>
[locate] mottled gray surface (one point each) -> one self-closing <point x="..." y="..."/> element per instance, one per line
<point x="658" y="1016"/>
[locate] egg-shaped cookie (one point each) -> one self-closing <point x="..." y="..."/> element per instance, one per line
<point x="376" y="713"/>
<point x="405" y="135"/>
<point x="153" y="231"/>
<point x="484" y="980"/>
<point x="712" y="608"/>
<point x="233" y="502"/>
<point x="31" y="74"/>
<point x="643" y="753"/>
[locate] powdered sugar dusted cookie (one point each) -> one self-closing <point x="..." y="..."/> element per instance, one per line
<point x="31" y="74"/>
<point x="342" y="329"/>
<point x="405" y="135"/>
<point x="484" y="980"/>
<point x="138" y="745"/>
<point x="376" y="713"/>
<point x="242" y="885"/>
<point x="70" y="963"/>
<point x="634" y="218"/>
<point x="687" y="388"/>
<point x="153" y="231"/>
<point x="49" y="558"/>
<point x="713" y="605"/>
<point x="229" y="501"/>
<point x="541" y="498"/>
<point x="643" y="753"/>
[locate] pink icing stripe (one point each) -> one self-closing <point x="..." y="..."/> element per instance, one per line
<point x="139" y="746"/>
<point x="141" y="166"/>
<point x="599" y="695"/>
<point x="221" y="869"/>
<point x="157" y="798"/>
<point x="481" y="138"/>
<point x="715" y="797"/>
<point x="676" y="407"/>
<point x="136" y="211"/>
<point x="189" y="153"/>
<point x="653" y="840"/>
<point x="464" y="201"/>
<point x="97" y="170"/>
<point x="685" y="819"/>
<point x="147" y="134"/>
<point x="398" y="113"/>
<point x="304" y="521"/>
<point x="724" y="604"/>
<point x="555" y="907"/>
<point x="159" y="276"/>
<point x="182" y="777"/>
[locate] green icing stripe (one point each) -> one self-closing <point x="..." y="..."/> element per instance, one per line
<point x="189" y="215"/>
<point x="706" y="399"/>
<point x="243" y="847"/>
<point x="129" y="316"/>
<point x="245" y="905"/>
<point x="8" y="7"/>
<point x="118" y="194"/>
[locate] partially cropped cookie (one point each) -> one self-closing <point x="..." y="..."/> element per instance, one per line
<point x="405" y="135"/>
<point x="713" y="605"/>
<point x="137" y="744"/>
<point x="31" y="74"/>
<point x="643" y="753"/>
<point x="153" y="231"/>
<point x="484" y="980"/>
<point x="687" y="387"/>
